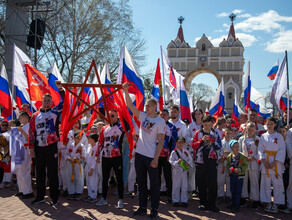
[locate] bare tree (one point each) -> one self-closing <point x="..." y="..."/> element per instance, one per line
<point x="81" y="30"/>
<point x="201" y="93"/>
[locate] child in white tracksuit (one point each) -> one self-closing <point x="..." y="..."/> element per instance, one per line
<point x="62" y="168"/>
<point x="132" y="174"/>
<point x="23" y="172"/>
<point x="249" y="148"/>
<point x="222" y="173"/>
<point x="91" y="171"/>
<point x="74" y="156"/>
<point x="179" y="174"/>
<point x="272" y="152"/>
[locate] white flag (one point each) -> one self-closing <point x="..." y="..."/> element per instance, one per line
<point x="280" y="85"/>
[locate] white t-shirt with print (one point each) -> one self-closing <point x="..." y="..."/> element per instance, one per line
<point x="149" y="129"/>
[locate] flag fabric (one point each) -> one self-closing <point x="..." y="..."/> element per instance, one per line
<point x="19" y="69"/>
<point x="19" y="79"/>
<point x="128" y="73"/>
<point x="5" y="95"/>
<point x="157" y="88"/>
<point x="273" y="72"/>
<point x="256" y="100"/>
<point x="166" y="68"/>
<point x="218" y="103"/>
<point x="171" y="80"/>
<point x="284" y="103"/>
<point x="191" y="103"/>
<point x="247" y="88"/>
<point x="280" y="85"/>
<point x="54" y="76"/>
<point x="236" y="109"/>
<point x="66" y="125"/>
<point x="38" y="84"/>
<point x="184" y="102"/>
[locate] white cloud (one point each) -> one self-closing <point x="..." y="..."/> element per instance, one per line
<point x="246" y="39"/>
<point x="281" y="43"/>
<point x="237" y="11"/>
<point x="223" y="14"/>
<point x="267" y="21"/>
<point x="244" y="15"/>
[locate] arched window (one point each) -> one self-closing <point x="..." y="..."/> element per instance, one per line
<point x="203" y="47"/>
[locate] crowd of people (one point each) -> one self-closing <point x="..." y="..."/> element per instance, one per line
<point x="219" y="160"/>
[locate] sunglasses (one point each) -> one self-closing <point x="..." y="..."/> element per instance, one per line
<point x="4" y="125"/>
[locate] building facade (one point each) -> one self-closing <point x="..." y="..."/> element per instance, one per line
<point x="224" y="62"/>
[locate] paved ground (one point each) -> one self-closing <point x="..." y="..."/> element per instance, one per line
<point x="11" y="207"/>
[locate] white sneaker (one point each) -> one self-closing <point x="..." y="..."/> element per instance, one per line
<point x="268" y="207"/>
<point x="101" y="202"/>
<point x="120" y="204"/>
<point x="274" y="209"/>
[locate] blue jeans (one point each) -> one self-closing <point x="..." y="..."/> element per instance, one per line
<point x="236" y="188"/>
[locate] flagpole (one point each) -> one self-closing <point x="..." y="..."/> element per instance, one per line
<point x="288" y="107"/>
<point x="12" y="79"/>
<point x="163" y="82"/>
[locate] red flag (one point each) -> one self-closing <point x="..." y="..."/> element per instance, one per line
<point x="66" y="126"/>
<point x="116" y="101"/>
<point x="37" y="83"/>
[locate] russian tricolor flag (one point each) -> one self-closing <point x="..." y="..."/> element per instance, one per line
<point x="55" y="75"/>
<point x="255" y="103"/>
<point x="157" y="88"/>
<point x="128" y="73"/>
<point x="273" y="72"/>
<point x="284" y="103"/>
<point x="5" y="96"/>
<point x="218" y="103"/>
<point x="185" y="112"/>
<point x="19" y="79"/>
<point x="236" y="109"/>
<point x="247" y="88"/>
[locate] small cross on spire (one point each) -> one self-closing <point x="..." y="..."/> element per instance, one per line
<point x="232" y="17"/>
<point x="180" y="19"/>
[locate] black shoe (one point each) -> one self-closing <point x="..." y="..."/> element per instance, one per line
<point x="153" y="214"/>
<point x="141" y="211"/>
<point x="54" y="203"/>
<point x="77" y="197"/>
<point x="37" y="201"/>
<point x="20" y="194"/>
<point x="175" y="204"/>
<point x="184" y="205"/>
<point x="243" y="203"/>
<point x="169" y="200"/>
<point x="71" y="197"/>
<point x="27" y="196"/>
<point x="235" y="210"/>
<point x="202" y="207"/>
<point x="219" y="200"/>
<point x="231" y="206"/>
<point x="255" y="205"/>
<point x="65" y="193"/>
<point x="214" y="208"/>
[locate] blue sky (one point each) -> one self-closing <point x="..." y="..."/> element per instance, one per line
<point x="263" y="26"/>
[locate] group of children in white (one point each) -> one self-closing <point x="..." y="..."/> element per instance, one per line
<point x="248" y="165"/>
